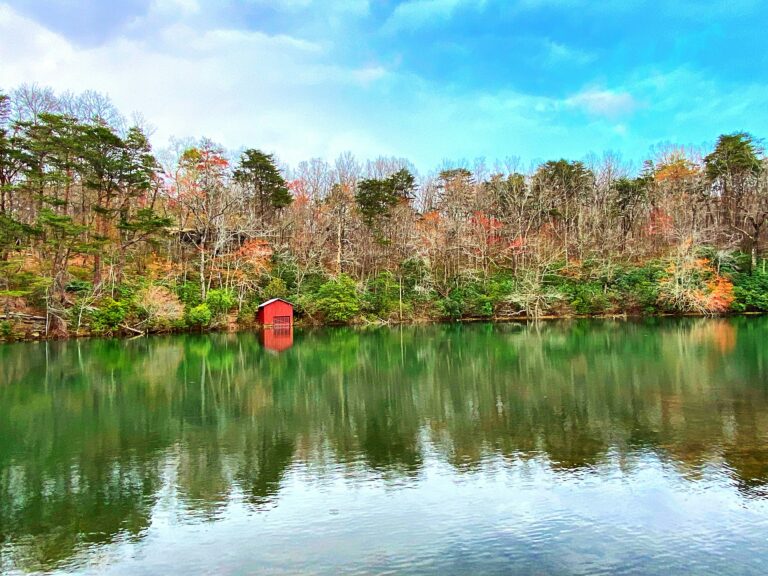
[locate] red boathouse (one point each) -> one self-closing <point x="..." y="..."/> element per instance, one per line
<point x="276" y="312"/>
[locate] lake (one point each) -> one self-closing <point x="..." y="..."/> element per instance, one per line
<point x="582" y="447"/>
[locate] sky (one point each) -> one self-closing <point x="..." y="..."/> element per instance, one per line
<point x="429" y="80"/>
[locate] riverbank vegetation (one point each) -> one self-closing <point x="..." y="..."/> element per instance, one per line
<point x="101" y="234"/>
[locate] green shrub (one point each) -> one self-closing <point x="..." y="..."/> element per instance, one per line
<point x="337" y="300"/>
<point x="312" y="283"/>
<point x="284" y="268"/>
<point x="189" y="293"/>
<point x="499" y="287"/>
<point x="199" y="316"/>
<point x="6" y="329"/>
<point x="451" y="307"/>
<point x="477" y="302"/>
<point x="79" y="286"/>
<point x="275" y="288"/>
<point x="220" y="301"/>
<point x="750" y="292"/>
<point x="470" y="298"/>
<point x="107" y="316"/>
<point x="247" y="312"/>
<point x="638" y="288"/>
<point x="586" y="297"/>
<point x="126" y="291"/>
<point x="382" y="294"/>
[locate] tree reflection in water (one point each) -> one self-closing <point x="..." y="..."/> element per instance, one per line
<point x="93" y="432"/>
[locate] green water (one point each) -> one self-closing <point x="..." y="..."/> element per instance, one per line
<point x="562" y="448"/>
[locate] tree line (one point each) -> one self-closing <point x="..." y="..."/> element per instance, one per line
<point x="100" y="233"/>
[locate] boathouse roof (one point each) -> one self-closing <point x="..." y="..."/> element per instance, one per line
<point x="273" y="300"/>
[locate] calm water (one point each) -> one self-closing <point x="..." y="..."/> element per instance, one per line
<point x="567" y="448"/>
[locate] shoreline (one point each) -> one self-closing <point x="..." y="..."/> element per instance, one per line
<point x="233" y="328"/>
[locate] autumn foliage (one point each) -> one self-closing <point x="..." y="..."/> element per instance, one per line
<point x="91" y="216"/>
<point x="693" y="285"/>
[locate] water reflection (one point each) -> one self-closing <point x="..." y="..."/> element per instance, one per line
<point x="97" y="436"/>
<point x="277" y="339"/>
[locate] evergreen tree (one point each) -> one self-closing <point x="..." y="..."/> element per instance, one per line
<point x="262" y="181"/>
<point x="376" y="197"/>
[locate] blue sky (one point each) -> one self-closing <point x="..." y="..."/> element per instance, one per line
<point x="430" y="80"/>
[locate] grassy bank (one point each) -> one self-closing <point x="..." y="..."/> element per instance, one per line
<point x="704" y="284"/>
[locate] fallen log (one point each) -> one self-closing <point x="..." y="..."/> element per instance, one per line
<point x="21" y="316"/>
<point x="134" y="330"/>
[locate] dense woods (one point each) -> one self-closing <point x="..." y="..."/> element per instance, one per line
<point x="101" y="234"/>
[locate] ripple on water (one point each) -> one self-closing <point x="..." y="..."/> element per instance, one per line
<point x="578" y="448"/>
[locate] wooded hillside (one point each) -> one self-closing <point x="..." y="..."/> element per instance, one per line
<point x="99" y="233"/>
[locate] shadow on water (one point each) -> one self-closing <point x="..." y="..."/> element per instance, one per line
<point x="95" y="432"/>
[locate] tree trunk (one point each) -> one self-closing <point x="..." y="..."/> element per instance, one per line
<point x="202" y="268"/>
<point x="753" y="266"/>
<point x="338" y="246"/>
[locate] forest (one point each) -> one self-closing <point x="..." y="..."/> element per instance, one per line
<point x="101" y="234"/>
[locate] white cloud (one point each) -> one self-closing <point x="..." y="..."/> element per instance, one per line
<point x="287" y="95"/>
<point x="24" y="44"/>
<point x="415" y="14"/>
<point x="175" y="7"/>
<point x="283" y="4"/>
<point x="557" y="54"/>
<point x="192" y="76"/>
<point x="238" y="87"/>
<point x="606" y="103"/>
